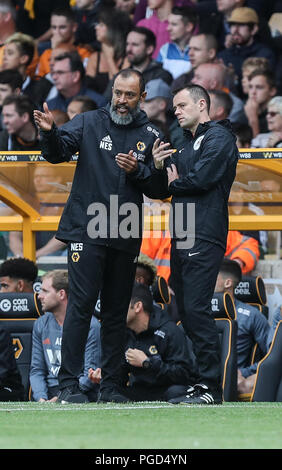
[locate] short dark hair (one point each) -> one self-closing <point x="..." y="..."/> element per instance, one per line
<point x="68" y="13"/>
<point x="19" y="268"/>
<point x="87" y="103"/>
<point x="142" y="293"/>
<point x="231" y="268"/>
<point x="23" y="104"/>
<point x="126" y="73"/>
<point x="243" y="132"/>
<point x="223" y="99"/>
<point x="150" y="37"/>
<point x="197" y="93"/>
<point x="76" y="63"/>
<point x="268" y="74"/>
<point x="11" y="77"/>
<point x="189" y="14"/>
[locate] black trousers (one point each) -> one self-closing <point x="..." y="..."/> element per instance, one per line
<point x="154" y="393"/>
<point x="94" y="269"/>
<point x="193" y="275"/>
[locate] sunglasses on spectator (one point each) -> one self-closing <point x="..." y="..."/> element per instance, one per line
<point x="272" y="113"/>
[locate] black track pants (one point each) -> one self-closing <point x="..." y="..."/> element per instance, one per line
<point x="194" y="274"/>
<point x="94" y="269"/>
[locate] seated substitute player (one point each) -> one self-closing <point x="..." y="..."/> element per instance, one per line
<point x="157" y="363"/>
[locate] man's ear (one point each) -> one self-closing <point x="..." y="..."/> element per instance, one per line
<point x="255" y="29"/>
<point x="228" y="283"/>
<point x="20" y="285"/>
<point x="138" y="306"/>
<point x="143" y="96"/>
<point x="24" y="59"/>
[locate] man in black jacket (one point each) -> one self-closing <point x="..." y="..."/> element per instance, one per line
<point x="200" y="176"/>
<point x="113" y="171"/>
<point x="157" y="365"/>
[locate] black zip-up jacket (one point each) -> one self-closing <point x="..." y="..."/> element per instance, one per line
<point x="98" y="179"/>
<point x="9" y="374"/>
<point x="207" y="167"/>
<point x="166" y="346"/>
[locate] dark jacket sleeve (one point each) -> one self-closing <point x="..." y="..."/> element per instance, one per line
<point x="58" y="145"/>
<point x="7" y="360"/>
<point x="175" y="365"/>
<point x="210" y="168"/>
<point x="152" y="182"/>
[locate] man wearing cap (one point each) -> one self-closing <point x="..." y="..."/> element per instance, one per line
<point x="244" y="25"/>
<point x="157" y="103"/>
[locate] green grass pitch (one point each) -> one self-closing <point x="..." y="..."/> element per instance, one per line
<point x="140" y="426"/>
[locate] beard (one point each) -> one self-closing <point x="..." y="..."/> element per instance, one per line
<point x="123" y="120"/>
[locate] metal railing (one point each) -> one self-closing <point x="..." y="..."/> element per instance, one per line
<point x="29" y="221"/>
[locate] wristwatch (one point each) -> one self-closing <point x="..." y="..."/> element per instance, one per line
<point x="146" y="364"/>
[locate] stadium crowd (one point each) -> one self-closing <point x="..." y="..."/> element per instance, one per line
<point x="67" y="54"/>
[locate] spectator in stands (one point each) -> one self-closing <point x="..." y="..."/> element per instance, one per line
<point x="158" y="22"/>
<point x="213" y="76"/>
<point x="11" y="387"/>
<point x="33" y="17"/>
<point x="261" y="89"/>
<point x="111" y="32"/>
<point x="244" y="27"/>
<point x="250" y="65"/>
<point x="18" y="275"/>
<point x="126" y="5"/>
<point x="60" y="117"/>
<point x="174" y="55"/>
<point x="80" y="104"/>
<point x="68" y="74"/>
<point x="253" y="327"/>
<point x="7" y="23"/>
<point x="18" y="54"/>
<point x="86" y="17"/>
<point x="10" y="83"/>
<point x="216" y="22"/>
<point x="244" y="135"/>
<point x="47" y="339"/>
<point x="63" y="27"/>
<point x="158" y="103"/>
<point x="156" y="366"/>
<point x="221" y="105"/>
<point x="140" y="45"/>
<point x="20" y="131"/>
<point x="47" y="82"/>
<point x="202" y="49"/>
<point x="273" y="138"/>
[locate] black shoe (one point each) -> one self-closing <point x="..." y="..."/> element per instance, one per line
<point x="112" y="395"/>
<point x="199" y="394"/>
<point x="72" y="394"/>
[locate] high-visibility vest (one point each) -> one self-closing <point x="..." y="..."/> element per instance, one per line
<point x="243" y="247"/>
<point x="156" y="245"/>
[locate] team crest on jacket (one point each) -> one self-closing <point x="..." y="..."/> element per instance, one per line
<point x="75" y="256"/>
<point x="140" y="146"/>
<point x="198" y="142"/>
<point x="153" y="349"/>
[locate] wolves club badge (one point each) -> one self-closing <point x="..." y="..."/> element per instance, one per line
<point x="140" y="146"/>
<point x="75" y="256"/>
